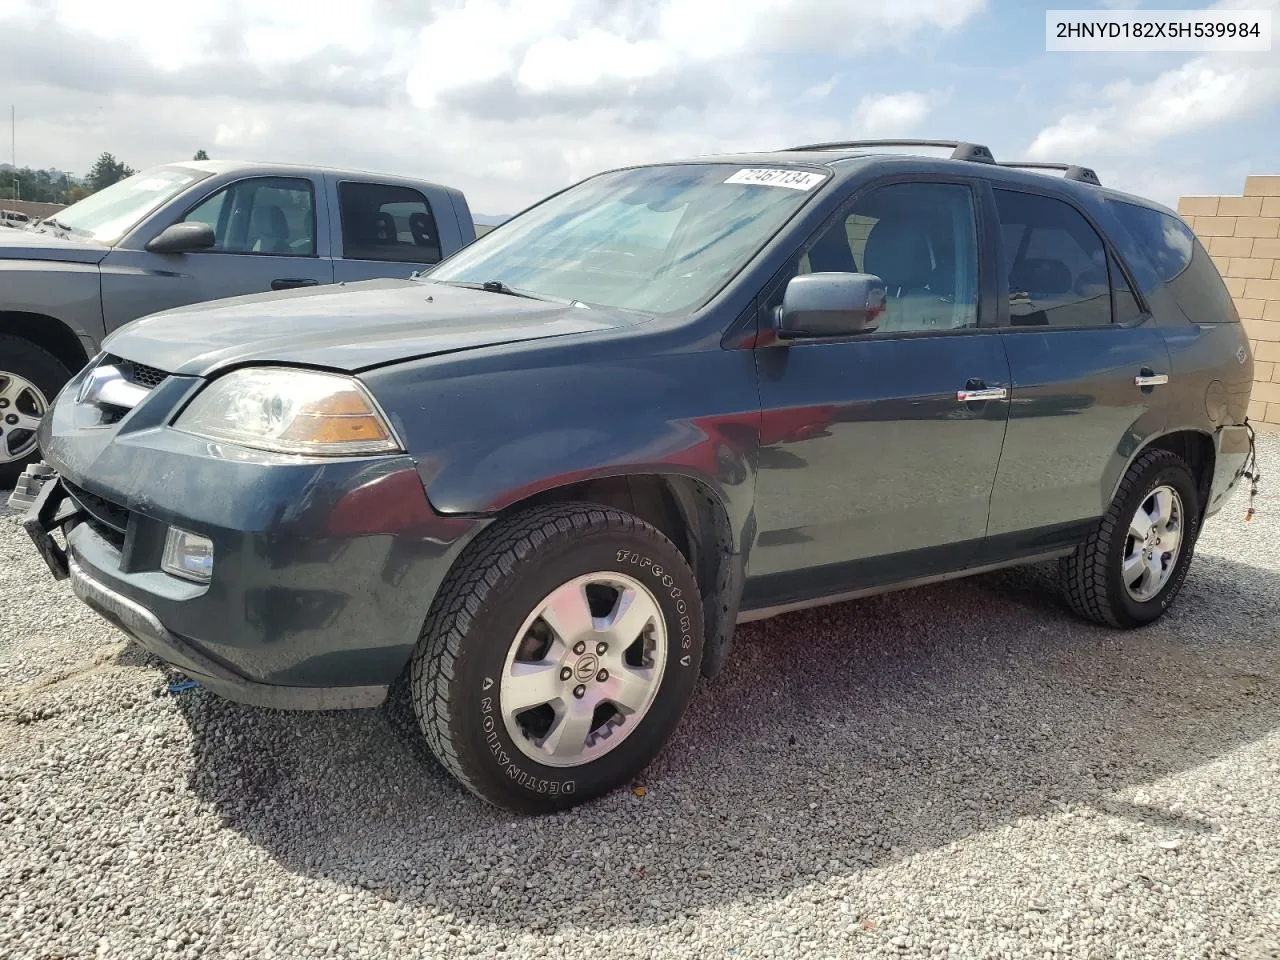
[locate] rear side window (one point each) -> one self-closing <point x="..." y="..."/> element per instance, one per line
<point x="385" y="222"/>
<point x="1055" y="265"/>
<point x="1180" y="262"/>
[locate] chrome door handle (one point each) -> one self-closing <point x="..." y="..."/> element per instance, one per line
<point x="985" y="393"/>
<point x="1151" y="380"/>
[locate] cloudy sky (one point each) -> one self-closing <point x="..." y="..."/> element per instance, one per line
<point x="510" y="99"/>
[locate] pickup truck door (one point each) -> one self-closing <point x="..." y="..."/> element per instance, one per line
<point x="1090" y="373"/>
<point x="878" y="451"/>
<point x="387" y="229"/>
<point x="271" y="234"/>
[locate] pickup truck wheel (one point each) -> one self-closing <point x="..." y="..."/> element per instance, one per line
<point x="1131" y="568"/>
<point x="558" y="656"/>
<point x="30" y="378"/>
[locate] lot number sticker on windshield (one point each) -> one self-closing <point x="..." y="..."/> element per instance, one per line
<point x="773" y="177"/>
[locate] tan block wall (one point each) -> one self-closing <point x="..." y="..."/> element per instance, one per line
<point x="1242" y="235"/>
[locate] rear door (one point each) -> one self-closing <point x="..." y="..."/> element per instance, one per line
<point x="266" y="238"/>
<point x="1089" y="370"/>
<point x="873" y="466"/>
<point x="386" y="230"/>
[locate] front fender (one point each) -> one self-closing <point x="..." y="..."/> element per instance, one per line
<point x="67" y="293"/>
<point x="486" y="439"/>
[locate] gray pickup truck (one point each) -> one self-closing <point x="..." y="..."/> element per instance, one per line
<point x="189" y="232"/>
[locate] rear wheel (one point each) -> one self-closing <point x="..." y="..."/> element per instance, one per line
<point x="1132" y="567"/>
<point x="559" y="656"/>
<point x="30" y="377"/>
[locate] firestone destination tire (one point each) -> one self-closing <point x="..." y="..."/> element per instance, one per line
<point x="558" y="657"/>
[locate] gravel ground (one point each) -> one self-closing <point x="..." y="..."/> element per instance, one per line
<point x="961" y="771"/>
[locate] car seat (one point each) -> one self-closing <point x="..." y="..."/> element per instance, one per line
<point x="269" y="230"/>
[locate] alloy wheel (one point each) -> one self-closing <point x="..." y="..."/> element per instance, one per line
<point x="22" y="405"/>
<point x="1153" y="544"/>
<point x="584" y="669"/>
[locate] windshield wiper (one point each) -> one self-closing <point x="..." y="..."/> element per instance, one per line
<point x="53" y="223"/>
<point x="497" y="286"/>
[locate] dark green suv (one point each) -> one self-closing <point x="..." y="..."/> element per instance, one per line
<point x="548" y="477"/>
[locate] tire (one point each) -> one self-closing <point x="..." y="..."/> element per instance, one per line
<point x="24" y="364"/>
<point x="487" y="624"/>
<point x="1094" y="578"/>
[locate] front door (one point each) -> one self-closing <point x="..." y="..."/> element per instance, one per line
<point x="266" y="238"/>
<point x="874" y="467"/>
<point x="1087" y="365"/>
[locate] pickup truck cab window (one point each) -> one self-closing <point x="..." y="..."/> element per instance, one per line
<point x="385" y="222"/>
<point x="658" y="239"/>
<point x="274" y="216"/>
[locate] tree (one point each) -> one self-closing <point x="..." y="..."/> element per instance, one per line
<point x="106" y="171"/>
<point x="200" y="155"/>
<point x="45" y="186"/>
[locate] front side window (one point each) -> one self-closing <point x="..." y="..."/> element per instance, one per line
<point x="660" y="239"/>
<point x="921" y="240"/>
<point x="109" y="214"/>
<point x="1055" y="264"/>
<point x="384" y="222"/>
<point x="272" y="216"/>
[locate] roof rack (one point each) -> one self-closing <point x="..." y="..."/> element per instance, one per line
<point x="1070" y="170"/>
<point x="974" y="152"/>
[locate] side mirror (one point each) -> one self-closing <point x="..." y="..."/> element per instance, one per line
<point x="183" y="238"/>
<point x="830" y="305"/>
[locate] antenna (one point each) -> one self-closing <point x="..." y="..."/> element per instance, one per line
<point x="13" y="150"/>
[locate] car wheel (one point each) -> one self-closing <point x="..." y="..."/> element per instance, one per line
<point x="558" y="656"/>
<point x="1131" y="568"/>
<point x="30" y="377"/>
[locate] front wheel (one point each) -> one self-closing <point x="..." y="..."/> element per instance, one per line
<point x="558" y="657"/>
<point x="30" y="377"/>
<point x="1131" y="568"/>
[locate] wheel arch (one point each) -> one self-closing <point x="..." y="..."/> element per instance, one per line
<point x="1193" y="445"/>
<point x="694" y="517"/>
<point x="48" y="333"/>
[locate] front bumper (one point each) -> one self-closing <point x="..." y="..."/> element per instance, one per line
<point x="145" y="627"/>
<point x="324" y="569"/>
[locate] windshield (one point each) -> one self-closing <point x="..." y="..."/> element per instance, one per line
<point x="108" y="214"/>
<point x="653" y="239"/>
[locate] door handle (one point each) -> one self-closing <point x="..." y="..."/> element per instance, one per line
<point x="973" y="395"/>
<point x="1151" y="379"/>
<point x="289" y="283"/>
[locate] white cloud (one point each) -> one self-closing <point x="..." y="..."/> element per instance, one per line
<point x="891" y="114"/>
<point x="543" y="46"/>
<point x="819" y="91"/>
<point x="507" y="99"/>
<point x="1200" y="93"/>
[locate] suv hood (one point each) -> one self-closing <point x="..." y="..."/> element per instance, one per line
<point x="349" y="327"/>
<point x="20" y="243"/>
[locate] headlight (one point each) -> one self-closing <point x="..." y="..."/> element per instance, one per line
<point x="289" y="411"/>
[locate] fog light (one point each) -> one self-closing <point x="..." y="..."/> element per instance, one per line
<point x="187" y="555"/>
